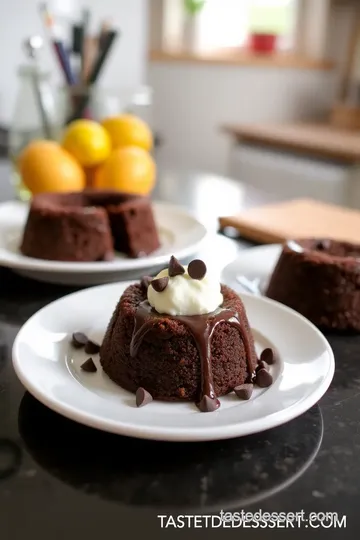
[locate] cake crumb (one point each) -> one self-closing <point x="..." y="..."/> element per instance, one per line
<point x="182" y="392"/>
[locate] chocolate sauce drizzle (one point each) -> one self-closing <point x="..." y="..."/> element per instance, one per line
<point x="202" y="328"/>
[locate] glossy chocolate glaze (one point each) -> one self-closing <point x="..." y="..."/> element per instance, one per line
<point x="202" y="328"/>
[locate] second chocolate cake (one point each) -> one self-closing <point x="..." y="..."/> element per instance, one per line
<point x="180" y="337"/>
<point x="88" y="226"/>
<point x="319" y="278"/>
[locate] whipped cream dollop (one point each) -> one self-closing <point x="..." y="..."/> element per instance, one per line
<point x="184" y="295"/>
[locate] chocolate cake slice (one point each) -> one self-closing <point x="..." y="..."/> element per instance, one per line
<point x="321" y="280"/>
<point x="179" y="357"/>
<point x="88" y="226"/>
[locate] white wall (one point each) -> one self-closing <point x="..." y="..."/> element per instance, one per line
<point x="20" y="18"/>
<point x="192" y="101"/>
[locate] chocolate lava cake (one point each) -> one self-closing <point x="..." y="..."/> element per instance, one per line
<point x="179" y="357"/>
<point x="88" y="226"/>
<point x="319" y="279"/>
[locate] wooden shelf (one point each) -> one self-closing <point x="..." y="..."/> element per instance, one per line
<point x="243" y="58"/>
<point x="322" y="141"/>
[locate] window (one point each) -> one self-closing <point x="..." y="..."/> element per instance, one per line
<point x="228" y="23"/>
<point x="222" y="24"/>
<point x="301" y="26"/>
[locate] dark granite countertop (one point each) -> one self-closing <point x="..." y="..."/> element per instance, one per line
<point x="61" y="480"/>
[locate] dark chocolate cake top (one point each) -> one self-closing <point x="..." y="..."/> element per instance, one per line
<point x="326" y="249"/>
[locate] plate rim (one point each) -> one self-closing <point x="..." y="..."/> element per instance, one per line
<point x="217" y="432"/>
<point x="231" y="270"/>
<point x="248" y="251"/>
<point x="117" y="266"/>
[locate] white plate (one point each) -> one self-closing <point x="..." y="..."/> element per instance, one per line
<point x="50" y="369"/>
<point x="256" y="264"/>
<point x="180" y="233"/>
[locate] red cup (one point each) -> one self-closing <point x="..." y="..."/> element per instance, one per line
<point x="263" y="43"/>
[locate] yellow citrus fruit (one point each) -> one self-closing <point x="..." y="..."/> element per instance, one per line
<point x="128" y="130"/>
<point x="87" y="141"/>
<point x="130" y="169"/>
<point x="46" y="167"/>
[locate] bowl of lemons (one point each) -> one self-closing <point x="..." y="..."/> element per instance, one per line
<point x="115" y="154"/>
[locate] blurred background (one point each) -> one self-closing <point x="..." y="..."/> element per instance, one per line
<point x="266" y="91"/>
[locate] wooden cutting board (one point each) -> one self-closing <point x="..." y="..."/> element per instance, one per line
<point x="301" y="218"/>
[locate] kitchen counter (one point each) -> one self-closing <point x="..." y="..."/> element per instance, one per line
<point x="62" y="480"/>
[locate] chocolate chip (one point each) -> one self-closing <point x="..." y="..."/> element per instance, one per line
<point x="323" y="245"/>
<point x="268" y="356"/>
<point x="160" y="284"/>
<point x="197" y="269"/>
<point x="145" y="282"/>
<point x="208" y="404"/>
<point x="143" y="397"/>
<point x="79" y="340"/>
<point x="91" y="347"/>
<point x="244" y="391"/>
<point x="89" y="366"/>
<point x="263" y="378"/>
<point x="175" y="268"/>
<point x="262" y="365"/>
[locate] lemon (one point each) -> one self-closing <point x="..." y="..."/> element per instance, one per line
<point x="87" y="141"/>
<point x="46" y="167"/>
<point x="129" y="169"/>
<point x="128" y="130"/>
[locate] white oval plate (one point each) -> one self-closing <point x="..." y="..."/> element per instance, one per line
<point x="50" y="369"/>
<point x="180" y="233"/>
<point x="255" y="264"/>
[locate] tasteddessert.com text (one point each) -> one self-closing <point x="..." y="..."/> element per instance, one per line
<point x="254" y="520"/>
